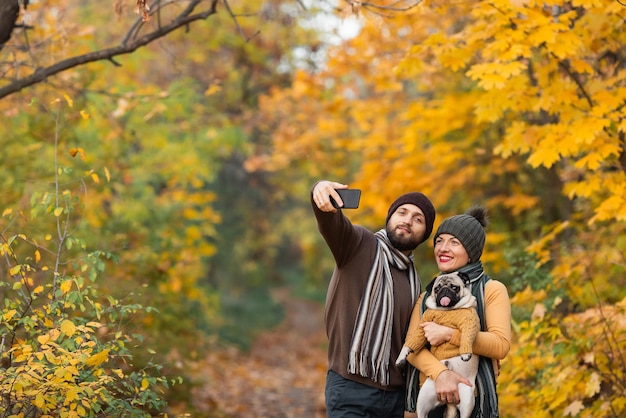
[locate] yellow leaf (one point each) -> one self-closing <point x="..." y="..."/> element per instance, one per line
<point x="145" y="384"/>
<point x="574" y="408"/>
<point x="8" y="315"/>
<point x="54" y="334"/>
<point x="37" y="256"/>
<point x="39" y="401"/>
<point x="593" y="385"/>
<point x="68" y="327"/>
<point x="38" y="290"/>
<point x="454" y="59"/>
<point x="489" y="81"/>
<point x="95" y="178"/>
<point x="581" y="66"/>
<point x="7" y="212"/>
<point x="72" y="370"/>
<point x="213" y="88"/>
<point x="107" y="174"/>
<point x="66" y="286"/>
<point x="545" y="156"/>
<point x="98" y="359"/>
<point x="78" y="151"/>
<point x="69" y="100"/>
<point x="84" y="114"/>
<point x="58" y="212"/>
<point x="15" y="270"/>
<point x="72" y="394"/>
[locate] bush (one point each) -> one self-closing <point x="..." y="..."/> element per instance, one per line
<point x="65" y="351"/>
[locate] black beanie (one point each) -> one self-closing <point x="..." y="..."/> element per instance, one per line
<point x="468" y="228"/>
<point x="421" y="201"/>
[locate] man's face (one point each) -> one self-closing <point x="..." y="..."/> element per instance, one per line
<point x="406" y="227"/>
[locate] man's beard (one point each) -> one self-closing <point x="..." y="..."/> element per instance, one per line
<point x="400" y="243"/>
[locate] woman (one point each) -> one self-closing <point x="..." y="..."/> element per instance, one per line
<point x="459" y="243"/>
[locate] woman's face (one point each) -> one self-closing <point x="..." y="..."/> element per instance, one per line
<point x="450" y="254"/>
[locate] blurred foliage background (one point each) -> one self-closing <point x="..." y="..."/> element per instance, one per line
<point x="191" y="158"/>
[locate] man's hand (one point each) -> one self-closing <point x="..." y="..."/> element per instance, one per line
<point x="436" y="334"/>
<point x="447" y="386"/>
<point x="322" y="193"/>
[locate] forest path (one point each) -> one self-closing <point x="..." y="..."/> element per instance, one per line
<point x="282" y="376"/>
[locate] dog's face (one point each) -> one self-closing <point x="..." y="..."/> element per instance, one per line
<point x="449" y="288"/>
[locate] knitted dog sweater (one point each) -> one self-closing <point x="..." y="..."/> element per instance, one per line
<point x="464" y="319"/>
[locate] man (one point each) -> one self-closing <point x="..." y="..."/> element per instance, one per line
<point x="369" y="301"/>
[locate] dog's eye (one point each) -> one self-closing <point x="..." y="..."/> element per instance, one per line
<point x="456" y="288"/>
<point x="437" y="288"/>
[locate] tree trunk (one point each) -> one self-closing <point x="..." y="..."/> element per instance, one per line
<point x="9" y="11"/>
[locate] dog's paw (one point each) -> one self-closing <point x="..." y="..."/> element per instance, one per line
<point x="401" y="360"/>
<point x="466" y="356"/>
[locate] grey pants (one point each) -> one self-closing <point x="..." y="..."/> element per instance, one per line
<point x="347" y="399"/>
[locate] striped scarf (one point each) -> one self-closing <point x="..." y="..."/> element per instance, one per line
<point x="487" y="399"/>
<point x="371" y="337"/>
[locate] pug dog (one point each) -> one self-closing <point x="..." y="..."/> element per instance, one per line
<point x="450" y="302"/>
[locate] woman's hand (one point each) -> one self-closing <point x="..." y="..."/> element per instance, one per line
<point x="437" y="334"/>
<point x="447" y="386"/>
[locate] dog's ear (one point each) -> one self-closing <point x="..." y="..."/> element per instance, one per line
<point x="465" y="277"/>
<point x="429" y="287"/>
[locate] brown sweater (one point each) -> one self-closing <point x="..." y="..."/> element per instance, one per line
<point x="354" y="248"/>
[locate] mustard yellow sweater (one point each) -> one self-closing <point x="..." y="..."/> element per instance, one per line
<point x="465" y="320"/>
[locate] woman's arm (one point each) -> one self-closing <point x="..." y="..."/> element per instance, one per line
<point x="495" y="343"/>
<point x="426" y="363"/>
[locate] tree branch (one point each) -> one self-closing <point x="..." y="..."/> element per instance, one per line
<point x="397" y="6"/>
<point x="128" y="45"/>
<point x="564" y="64"/>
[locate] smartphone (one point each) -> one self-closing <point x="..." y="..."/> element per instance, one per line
<point x="350" y="197"/>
